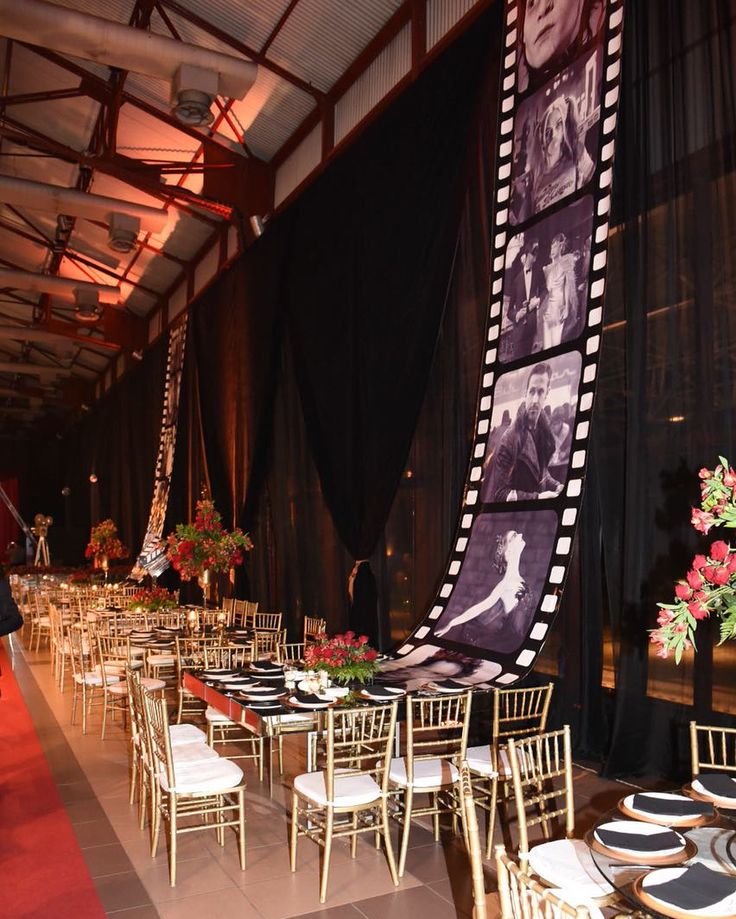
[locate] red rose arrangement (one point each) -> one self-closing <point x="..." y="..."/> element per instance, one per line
<point x="344" y="657"/>
<point x="153" y="598"/>
<point x="710" y="585"/>
<point x="205" y="545"/>
<point x="104" y="540"/>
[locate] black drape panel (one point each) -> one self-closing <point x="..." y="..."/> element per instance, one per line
<point x="367" y="287"/>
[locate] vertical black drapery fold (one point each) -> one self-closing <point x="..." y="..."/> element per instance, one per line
<point x="367" y="287"/>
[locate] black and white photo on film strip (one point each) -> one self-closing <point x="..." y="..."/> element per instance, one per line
<point x="560" y="76"/>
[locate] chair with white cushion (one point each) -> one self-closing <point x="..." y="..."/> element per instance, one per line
<point x="541" y="771"/>
<point x="212" y="790"/>
<point x="712" y="748"/>
<point x="522" y="897"/>
<point x="516" y="713"/>
<point x="112" y="666"/>
<point x="350" y="795"/>
<point x="87" y="681"/>
<point x="436" y="741"/>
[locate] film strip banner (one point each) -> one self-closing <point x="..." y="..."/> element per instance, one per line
<point x="152" y="559"/>
<point x="501" y="589"/>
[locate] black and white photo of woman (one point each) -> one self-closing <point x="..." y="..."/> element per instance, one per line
<point x="494" y="601"/>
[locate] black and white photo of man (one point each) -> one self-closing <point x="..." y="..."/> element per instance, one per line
<point x="518" y="468"/>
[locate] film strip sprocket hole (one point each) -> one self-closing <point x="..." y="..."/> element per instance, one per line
<point x="549" y="246"/>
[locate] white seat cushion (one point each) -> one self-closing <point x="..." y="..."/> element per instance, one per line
<point x="185" y="753"/>
<point x="211" y="777"/>
<point x="215" y="715"/>
<point x="186" y="733"/>
<point x="428" y="773"/>
<point x="93" y="679"/>
<point x="567" y="863"/>
<point x="148" y="683"/>
<point x="162" y="660"/>
<point x="479" y="761"/>
<point x="350" y="790"/>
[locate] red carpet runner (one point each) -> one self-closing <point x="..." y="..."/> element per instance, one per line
<point x="43" y="871"/>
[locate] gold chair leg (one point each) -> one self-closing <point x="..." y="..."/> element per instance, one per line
<point x="408" y="800"/>
<point x="241" y="828"/>
<point x="354" y="837"/>
<point x="326" y="855"/>
<point x="435" y="817"/>
<point x="388" y="843"/>
<point x="294" y="830"/>
<point x="172" y="840"/>
<point x="492" y="815"/>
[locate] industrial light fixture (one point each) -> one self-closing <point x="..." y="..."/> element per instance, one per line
<point x="197" y="75"/>
<point x="122" y="232"/>
<point x="88" y="306"/>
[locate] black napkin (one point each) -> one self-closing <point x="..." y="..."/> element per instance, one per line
<point x="655" y="842"/>
<point x="719" y="784"/>
<point x="449" y="684"/>
<point x="697" y="888"/>
<point x="308" y="698"/>
<point x="680" y="807"/>
<point x="267" y="665"/>
<point x="382" y="692"/>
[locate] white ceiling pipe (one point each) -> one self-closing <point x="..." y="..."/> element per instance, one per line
<point x="59" y="200"/>
<point x="95" y="39"/>
<point x="29" y="333"/>
<point x="65" y="288"/>
<point x="27" y="369"/>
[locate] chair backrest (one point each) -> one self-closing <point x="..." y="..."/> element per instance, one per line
<point x="190" y="649"/>
<point x="520" y="712"/>
<point x="524" y="898"/>
<point x="157" y="733"/>
<point x="217" y="656"/>
<point x="228" y="605"/>
<point x="265" y="644"/>
<point x="472" y="841"/>
<point x="712" y="747"/>
<point x="313" y="627"/>
<point x="541" y="771"/>
<point x="292" y="652"/>
<point x="359" y="741"/>
<point x="437" y="728"/>
<point x="138" y="733"/>
<point x="244" y="612"/>
<point x="267" y="621"/>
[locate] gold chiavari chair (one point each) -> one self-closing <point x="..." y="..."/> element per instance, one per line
<point x="189" y="651"/>
<point x="292" y="652"/>
<point x="87" y="681"/>
<point x="516" y="713"/>
<point x="220" y="729"/>
<point x="40" y="620"/>
<point x="265" y="645"/>
<point x="212" y="790"/>
<point x="267" y="622"/>
<point x="228" y="607"/>
<point x="522" y="897"/>
<point x="472" y="843"/>
<point x="247" y="613"/>
<point x="436" y="741"/>
<point x="712" y="748"/>
<point x="188" y="745"/>
<point x="353" y="783"/>
<point x="314" y="627"/>
<point x="113" y="667"/>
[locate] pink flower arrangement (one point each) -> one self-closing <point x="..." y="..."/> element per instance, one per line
<point x="153" y="598"/>
<point x="205" y="544"/>
<point x="710" y="584"/>
<point x="344" y="657"/>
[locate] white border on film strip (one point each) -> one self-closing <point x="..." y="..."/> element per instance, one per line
<point x="567" y="506"/>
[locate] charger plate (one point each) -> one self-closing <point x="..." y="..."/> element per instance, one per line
<point x="631" y="858"/>
<point x="667" y="909"/>
<point x="696" y="795"/>
<point x="664" y="819"/>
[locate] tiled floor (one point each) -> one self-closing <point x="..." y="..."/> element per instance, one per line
<point x="92" y="776"/>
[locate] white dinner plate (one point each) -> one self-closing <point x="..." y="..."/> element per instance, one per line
<point x="637" y="829"/>
<point x="725" y="907"/>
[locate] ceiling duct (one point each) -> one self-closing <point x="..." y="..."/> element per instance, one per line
<point x="64" y="288"/>
<point x="125" y="219"/>
<point x="115" y="45"/>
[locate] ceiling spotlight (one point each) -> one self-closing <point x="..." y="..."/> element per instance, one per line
<point x="193" y="91"/>
<point x="123" y="232"/>
<point x="88" y="305"/>
<point x="256" y="224"/>
<point x="138" y="355"/>
<point x="93" y="479"/>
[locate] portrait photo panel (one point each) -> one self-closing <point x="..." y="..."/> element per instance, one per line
<point x="504" y="572"/>
<point x="429" y="662"/>
<point x="556" y="139"/>
<point x="545" y="287"/>
<point x="552" y="33"/>
<point x="529" y="446"/>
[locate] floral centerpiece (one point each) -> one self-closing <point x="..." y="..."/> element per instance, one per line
<point x="153" y="599"/>
<point x="710" y="585"/>
<point x="205" y="545"/>
<point x="343" y="657"/>
<point x="104" y="543"/>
